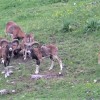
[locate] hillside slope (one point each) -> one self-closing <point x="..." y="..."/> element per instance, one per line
<point x="74" y="26"/>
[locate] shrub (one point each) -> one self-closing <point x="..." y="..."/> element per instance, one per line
<point x="69" y="25"/>
<point x="92" y="25"/>
<point x="66" y="26"/>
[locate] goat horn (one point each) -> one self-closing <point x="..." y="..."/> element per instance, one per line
<point x="4" y="40"/>
<point x="32" y="43"/>
<point x="35" y="43"/>
<point x="15" y="40"/>
<point x="28" y="44"/>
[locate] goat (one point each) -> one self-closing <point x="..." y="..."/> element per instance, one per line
<point x="41" y="51"/>
<point x="6" y="51"/>
<point x="16" y="48"/>
<point x="27" y="43"/>
<point x="14" y="30"/>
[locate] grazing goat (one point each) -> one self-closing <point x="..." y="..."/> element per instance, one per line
<point x="50" y="51"/>
<point x="27" y="43"/>
<point x="14" y="30"/>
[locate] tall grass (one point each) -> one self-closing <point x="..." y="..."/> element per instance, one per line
<point x="92" y="25"/>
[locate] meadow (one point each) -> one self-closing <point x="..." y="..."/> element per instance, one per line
<point x="74" y="26"/>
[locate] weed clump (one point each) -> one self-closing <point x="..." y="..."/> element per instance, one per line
<point x="92" y="25"/>
<point x="56" y="1"/>
<point x="69" y="25"/>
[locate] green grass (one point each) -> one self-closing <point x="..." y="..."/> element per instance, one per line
<point x="78" y="48"/>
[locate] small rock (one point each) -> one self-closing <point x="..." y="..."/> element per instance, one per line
<point x="7" y="81"/>
<point x="74" y="3"/>
<point x="95" y="81"/>
<point x="13" y="82"/>
<point x="36" y="76"/>
<point x="72" y="85"/>
<point x="10" y="72"/>
<point x="3" y="72"/>
<point x="13" y="91"/>
<point x="19" y="63"/>
<point x="4" y="91"/>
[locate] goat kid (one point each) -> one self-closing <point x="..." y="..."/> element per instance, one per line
<point x="50" y="51"/>
<point x="14" y="30"/>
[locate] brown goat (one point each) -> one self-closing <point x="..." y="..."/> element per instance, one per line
<point x="5" y="54"/>
<point x="50" y="51"/>
<point x="14" y="30"/>
<point x="2" y="48"/>
<point x="27" y="43"/>
<point x="6" y="51"/>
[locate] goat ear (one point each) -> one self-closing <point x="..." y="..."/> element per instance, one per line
<point x="3" y="43"/>
<point x="32" y="35"/>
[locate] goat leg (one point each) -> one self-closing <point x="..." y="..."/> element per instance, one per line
<point x="2" y="60"/>
<point x="6" y="72"/>
<point x="60" y="63"/>
<point x="37" y="69"/>
<point x="25" y="54"/>
<point x="37" y="66"/>
<point x="52" y="64"/>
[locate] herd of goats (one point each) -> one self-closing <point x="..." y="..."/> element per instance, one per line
<point x="25" y="44"/>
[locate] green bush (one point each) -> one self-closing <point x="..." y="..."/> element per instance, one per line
<point x="92" y="25"/>
<point x="66" y="26"/>
<point x="69" y="25"/>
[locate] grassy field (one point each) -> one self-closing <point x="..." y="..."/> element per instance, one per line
<point x="74" y="26"/>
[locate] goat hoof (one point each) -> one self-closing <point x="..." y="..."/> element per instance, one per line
<point x="6" y="75"/>
<point x="2" y="62"/>
<point x="24" y="58"/>
<point x="60" y="73"/>
<point x="50" y="68"/>
<point x="3" y="72"/>
<point x="36" y="72"/>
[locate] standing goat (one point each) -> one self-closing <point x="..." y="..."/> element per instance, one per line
<point x="14" y="30"/>
<point x="50" y="51"/>
<point x="27" y="43"/>
<point x="6" y="50"/>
